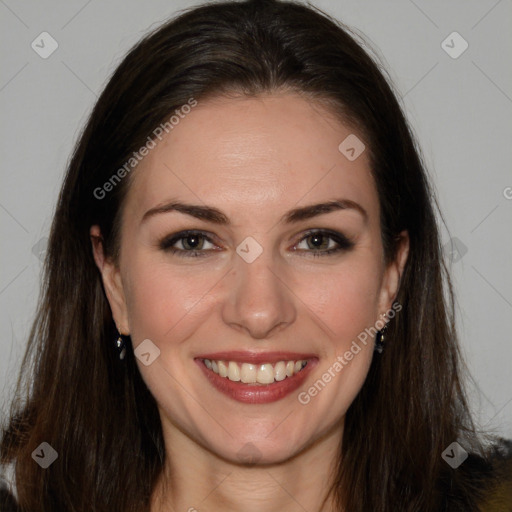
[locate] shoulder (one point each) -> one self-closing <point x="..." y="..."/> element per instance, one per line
<point x="498" y="497"/>
<point x="481" y="483"/>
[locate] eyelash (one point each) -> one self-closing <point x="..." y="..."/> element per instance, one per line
<point x="344" y="244"/>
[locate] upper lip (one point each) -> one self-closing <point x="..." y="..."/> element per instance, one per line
<point x="256" y="357"/>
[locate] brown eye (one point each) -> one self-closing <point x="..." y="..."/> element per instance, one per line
<point x="323" y="243"/>
<point x="318" y="241"/>
<point x="192" y="244"/>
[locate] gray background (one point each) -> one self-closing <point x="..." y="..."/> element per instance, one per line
<point x="460" y="109"/>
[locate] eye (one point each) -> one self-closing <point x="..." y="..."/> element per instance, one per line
<point x="318" y="243"/>
<point x="322" y="240"/>
<point x="192" y="244"/>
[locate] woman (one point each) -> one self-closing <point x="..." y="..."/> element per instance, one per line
<point x="245" y="303"/>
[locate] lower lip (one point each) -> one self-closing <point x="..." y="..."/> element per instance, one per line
<point x="256" y="394"/>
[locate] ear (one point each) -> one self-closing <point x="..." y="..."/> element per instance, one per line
<point x="112" y="282"/>
<point x="393" y="273"/>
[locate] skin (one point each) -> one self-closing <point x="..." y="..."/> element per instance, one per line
<point x="254" y="159"/>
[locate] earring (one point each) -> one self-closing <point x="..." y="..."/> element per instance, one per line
<point x="121" y="346"/>
<point x="379" y="338"/>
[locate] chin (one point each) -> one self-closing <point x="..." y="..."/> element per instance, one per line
<point x="260" y="450"/>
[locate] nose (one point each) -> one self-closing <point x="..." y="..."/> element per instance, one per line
<point x="259" y="301"/>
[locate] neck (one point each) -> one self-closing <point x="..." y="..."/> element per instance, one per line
<point x="195" y="479"/>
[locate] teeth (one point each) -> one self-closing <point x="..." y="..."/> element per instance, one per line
<point x="265" y="374"/>
<point x="249" y="373"/>
<point x="223" y="369"/>
<point x="233" y="372"/>
<point x="279" y="370"/>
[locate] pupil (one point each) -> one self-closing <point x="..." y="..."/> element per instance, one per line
<point x="317" y="240"/>
<point x="195" y="240"/>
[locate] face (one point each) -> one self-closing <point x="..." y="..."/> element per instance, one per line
<point x="251" y="318"/>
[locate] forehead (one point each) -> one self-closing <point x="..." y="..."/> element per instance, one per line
<point x="258" y="155"/>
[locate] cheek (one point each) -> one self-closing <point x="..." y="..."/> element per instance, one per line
<point x="161" y="299"/>
<point x="346" y="299"/>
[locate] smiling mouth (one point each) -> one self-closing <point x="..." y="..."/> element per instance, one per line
<point x="249" y="373"/>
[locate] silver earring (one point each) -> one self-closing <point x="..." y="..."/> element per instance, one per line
<point x="121" y="346"/>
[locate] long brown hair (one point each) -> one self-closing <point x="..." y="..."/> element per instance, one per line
<point x="97" y="413"/>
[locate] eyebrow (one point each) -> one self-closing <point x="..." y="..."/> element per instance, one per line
<point x="216" y="216"/>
